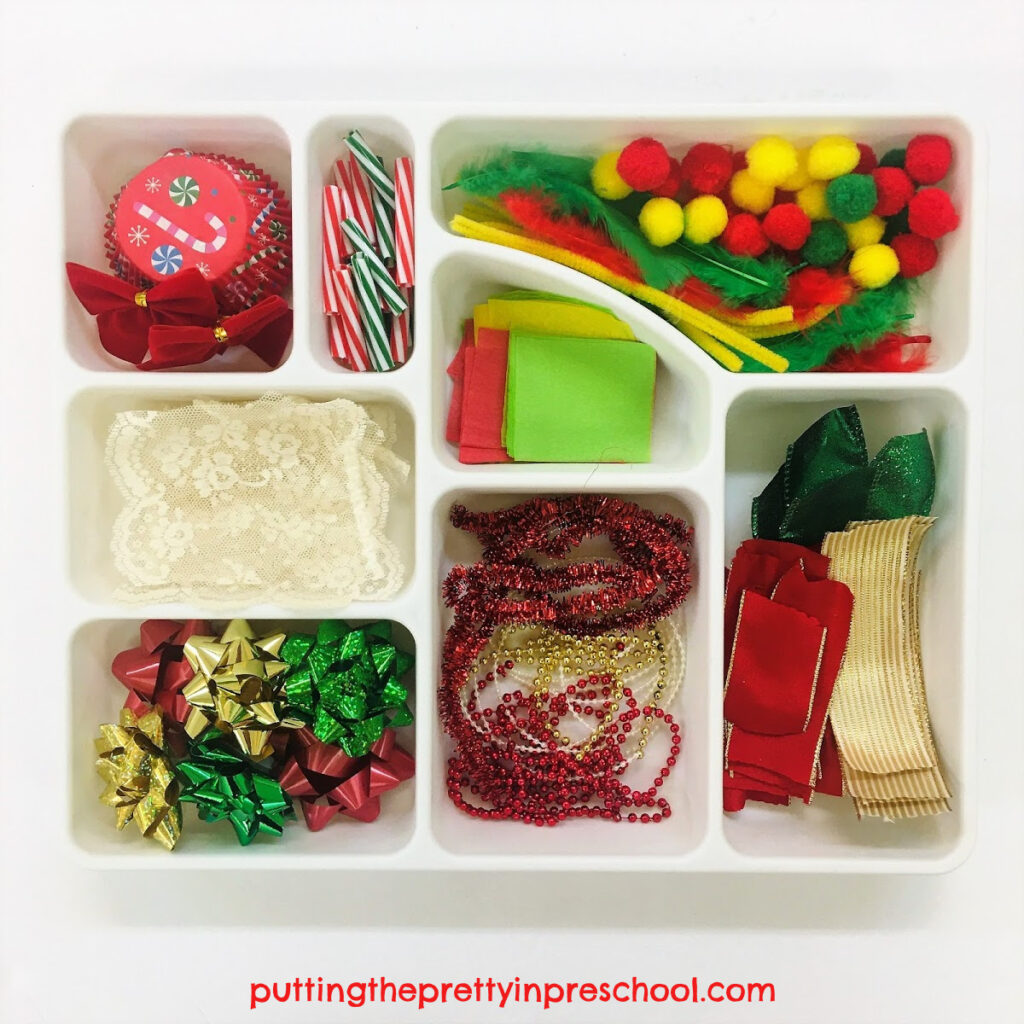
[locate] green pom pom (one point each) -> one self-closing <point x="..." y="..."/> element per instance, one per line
<point x="894" y="158"/>
<point x="826" y="244"/>
<point x="851" y="197"/>
<point x="897" y="224"/>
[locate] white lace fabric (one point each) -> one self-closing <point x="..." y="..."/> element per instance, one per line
<point x="278" y="500"/>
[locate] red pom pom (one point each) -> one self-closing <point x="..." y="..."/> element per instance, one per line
<point x="670" y="187"/>
<point x="868" y="161"/>
<point x="644" y="164"/>
<point x="930" y="212"/>
<point x="815" y="286"/>
<point x="928" y="158"/>
<point x="707" y="168"/>
<point x="787" y="226"/>
<point x="894" y="189"/>
<point x="917" y="255"/>
<point x="743" y="235"/>
<point x="739" y="160"/>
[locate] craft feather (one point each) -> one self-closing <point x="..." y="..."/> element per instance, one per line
<point x="895" y="353"/>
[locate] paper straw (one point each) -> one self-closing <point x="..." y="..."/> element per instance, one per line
<point x="333" y="239"/>
<point x="336" y="339"/>
<point x="370" y="314"/>
<point x="392" y="296"/>
<point x="373" y="166"/>
<point x="361" y="199"/>
<point x="349" y="320"/>
<point x="400" y="342"/>
<point x="382" y="216"/>
<point x="404" y="252"/>
<point x="344" y="186"/>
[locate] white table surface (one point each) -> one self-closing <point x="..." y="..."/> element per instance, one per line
<point x="81" y="946"/>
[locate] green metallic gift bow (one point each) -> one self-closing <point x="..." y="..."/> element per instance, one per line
<point x="224" y="784"/>
<point x="347" y="683"/>
<point x="828" y="481"/>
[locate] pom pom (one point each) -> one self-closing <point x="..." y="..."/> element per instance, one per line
<point x="893" y="158"/>
<point x="868" y="231"/>
<point x="772" y="160"/>
<point x="813" y="286"/>
<point x="644" y="164"/>
<point x="868" y="161"/>
<point x="707" y="168"/>
<point x="799" y="178"/>
<point x="931" y="213"/>
<point x="851" y="197"/>
<point x="661" y="221"/>
<point x="750" y="194"/>
<point x="811" y="199"/>
<point x="704" y="218"/>
<point x="917" y="255"/>
<point x="825" y="245"/>
<point x="606" y="180"/>
<point x="832" y="156"/>
<point x="744" y="236"/>
<point x="894" y="189"/>
<point x="874" y="266"/>
<point x="899" y="224"/>
<point x="787" y="226"/>
<point x="928" y="158"/>
<point x="670" y="187"/>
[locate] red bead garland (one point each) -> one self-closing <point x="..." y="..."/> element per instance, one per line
<point x="494" y="772"/>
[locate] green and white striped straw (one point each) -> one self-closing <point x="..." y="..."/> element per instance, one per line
<point x="370" y="314"/>
<point x="382" y="220"/>
<point x="374" y="167"/>
<point x="385" y="282"/>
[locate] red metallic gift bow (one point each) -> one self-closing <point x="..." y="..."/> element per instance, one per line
<point x="327" y="782"/>
<point x="264" y="329"/>
<point x="125" y="313"/>
<point x="156" y="670"/>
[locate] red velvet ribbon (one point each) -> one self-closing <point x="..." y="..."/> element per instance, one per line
<point x="327" y="782"/>
<point x="124" y="324"/>
<point x="263" y="329"/>
<point x="156" y="670"/>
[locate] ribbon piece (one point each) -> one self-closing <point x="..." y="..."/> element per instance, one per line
<point x="234" y="687"/>
<point x="141" y="784"/>
<point x="224" y="784"/>
<point x="879" y="708"/>
<point x="347" y="683"/>
<point x="326" y="781"/>
<point x="125" y="312"/>
<point x="828" y="481"/>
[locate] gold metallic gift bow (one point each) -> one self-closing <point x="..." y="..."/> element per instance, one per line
<point x="879" y="710"/>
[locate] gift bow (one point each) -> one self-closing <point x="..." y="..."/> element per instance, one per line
<point x="125" y="313"/>
<point x="156" y="670"/>
<point x="327" y="781"/>
<point x="140" y="781"/>
<point x="264" y="329"/>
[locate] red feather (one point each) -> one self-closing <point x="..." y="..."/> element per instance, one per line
<point x="892" y="353"/>
<point x="813" y="286"/>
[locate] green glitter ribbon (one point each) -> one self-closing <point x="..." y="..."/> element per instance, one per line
<point x="347" y="683"/>
<point x="828" y="481"/>
<point x="224" y="784"/>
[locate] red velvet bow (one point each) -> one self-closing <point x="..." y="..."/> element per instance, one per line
<point x="327" y="781"/>
<point x="124" y="313"/>
<point x="155" y="671"/>
<point x="264" y="329"/>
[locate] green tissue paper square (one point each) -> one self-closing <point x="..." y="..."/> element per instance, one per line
<point x="578" y="399"/>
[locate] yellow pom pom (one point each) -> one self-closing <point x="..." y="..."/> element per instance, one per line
<point x="800" y="177"/>
<point x="661" y="221"/>
<point x="750" y="194"/>
<point x="831" y="156"/>
<point x="864" y="232"/>
<point x="811" y="199"/>
<point x="874" y="266"/>
<point x="705" y="218"/>
<point x="605" y="178"/>
<point x="772" y="160"/>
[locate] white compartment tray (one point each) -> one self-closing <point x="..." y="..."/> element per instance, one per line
<point x="717" y="439"/>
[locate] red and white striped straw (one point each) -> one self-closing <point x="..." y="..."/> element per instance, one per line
<point x="360" y="192"/>
<point x="332" y="214"/>
<point x="351" y="326"/>
<point x="405" y="273"/>
<point x="344" y="183"/>
<point x="336" y="338"/>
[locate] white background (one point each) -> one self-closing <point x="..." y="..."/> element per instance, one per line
<point x="180" y="947"/>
